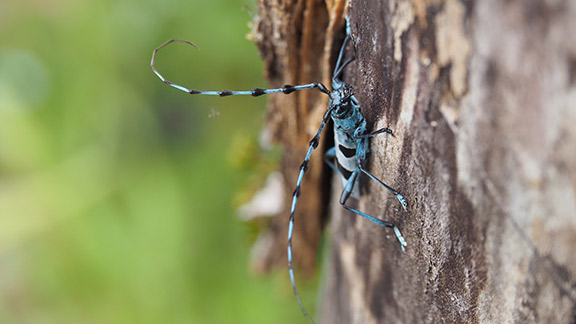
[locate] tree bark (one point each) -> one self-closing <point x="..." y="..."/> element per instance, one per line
<point x="298" y="40"/>
<point x="481" y="96"/>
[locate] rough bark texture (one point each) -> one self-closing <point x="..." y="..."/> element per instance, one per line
<point x="481" y="96"/>
<point x="296" y="40"/>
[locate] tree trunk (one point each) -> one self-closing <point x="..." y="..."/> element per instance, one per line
<point x="298" y="40"/>
<point x="481" y="97"/>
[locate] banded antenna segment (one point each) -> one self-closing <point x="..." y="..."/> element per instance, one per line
<point x="287" y="89"/>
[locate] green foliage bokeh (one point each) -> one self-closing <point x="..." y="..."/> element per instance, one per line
<point x="116" y="190"/>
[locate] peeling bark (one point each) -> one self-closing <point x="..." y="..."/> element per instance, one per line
<point x="296" y="39"/>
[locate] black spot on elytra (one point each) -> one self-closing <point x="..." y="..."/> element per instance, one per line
<point x="347" y="151"/>
<point x="345" y="173"/>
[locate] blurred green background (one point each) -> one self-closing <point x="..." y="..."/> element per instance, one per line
<point x="117" y="192"/>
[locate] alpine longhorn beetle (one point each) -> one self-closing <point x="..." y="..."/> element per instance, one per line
<point x="351" y="139"/>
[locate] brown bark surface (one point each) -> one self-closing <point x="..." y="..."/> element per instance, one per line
<point x="482" y="99"/>
<point x="296" y="40"/>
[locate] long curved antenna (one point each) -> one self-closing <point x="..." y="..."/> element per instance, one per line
<point x="254" y="92"/>
<point x="303" y="168"/>
<point x="339" y="67"/>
